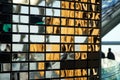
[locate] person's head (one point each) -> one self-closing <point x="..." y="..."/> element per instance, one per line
<point x="109" y="49"/>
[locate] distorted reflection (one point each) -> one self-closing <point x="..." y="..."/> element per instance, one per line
<point x="51" y="39"/>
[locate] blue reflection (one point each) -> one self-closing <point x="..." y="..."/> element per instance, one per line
<point x="107" y="5"/>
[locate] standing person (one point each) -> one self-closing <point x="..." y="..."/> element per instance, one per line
<point x="110" y="55"/>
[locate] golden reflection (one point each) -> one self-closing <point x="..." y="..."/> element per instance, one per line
<point x="82" y="22"/>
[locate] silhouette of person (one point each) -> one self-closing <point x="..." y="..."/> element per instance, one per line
<point x="110" y="54"/>
<point x="102" y="55"/>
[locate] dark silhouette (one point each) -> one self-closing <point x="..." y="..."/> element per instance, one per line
<point x="110" y="54"/>
<point x="15" y="56"/>
<point x="102" y="55"/>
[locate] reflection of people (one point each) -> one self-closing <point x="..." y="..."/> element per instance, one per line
<point x="110" y="54"/>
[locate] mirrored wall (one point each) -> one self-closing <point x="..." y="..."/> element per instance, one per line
<point x="50" y="39"/>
